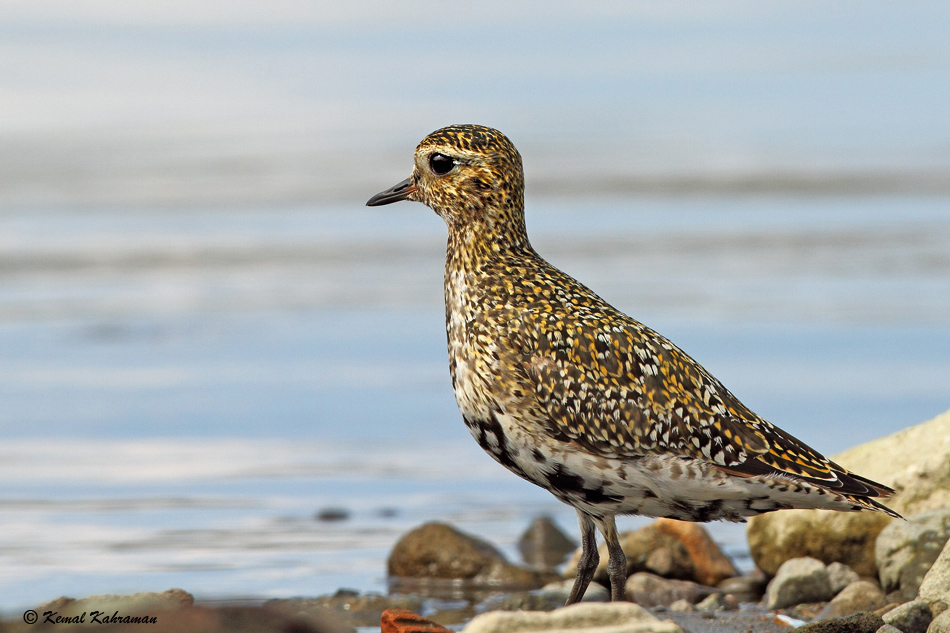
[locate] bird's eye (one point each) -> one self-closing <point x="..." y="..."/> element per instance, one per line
<point x="441" y="164"/>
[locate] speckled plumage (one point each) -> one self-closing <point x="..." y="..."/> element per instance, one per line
<point x="575" y="396"/>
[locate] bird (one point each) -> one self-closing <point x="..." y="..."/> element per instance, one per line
<point x="575" y="396"/>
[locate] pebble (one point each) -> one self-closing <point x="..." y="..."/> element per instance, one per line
<point x="744" y="588"/>
<point x="798" y="580"/>
<point x="561" y="589"/>
<point x="405" y="621"/>
<point x="840" y="576"/>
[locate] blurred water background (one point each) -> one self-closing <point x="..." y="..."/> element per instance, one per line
<point x="206" y="338"/>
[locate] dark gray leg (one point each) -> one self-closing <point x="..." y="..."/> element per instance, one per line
<point x="587" y="565"/>
<point x="617" y="563"/>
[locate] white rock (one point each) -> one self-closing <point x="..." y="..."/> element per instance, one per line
<point x="613" y="617"/>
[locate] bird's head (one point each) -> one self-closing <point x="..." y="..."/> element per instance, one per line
<point x="468" y="174"/>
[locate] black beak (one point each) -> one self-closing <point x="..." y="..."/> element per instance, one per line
<point x="393" y="194"/>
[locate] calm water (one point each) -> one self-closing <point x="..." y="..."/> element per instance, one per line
<point x="184" y="390"/>
<point x="205" y="338"/>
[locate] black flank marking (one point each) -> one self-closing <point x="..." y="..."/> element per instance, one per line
<point x="538" y="456"/>
<point x="568" y="483"/>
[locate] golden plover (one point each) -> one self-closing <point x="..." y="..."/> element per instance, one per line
<point x="573" y="395"/>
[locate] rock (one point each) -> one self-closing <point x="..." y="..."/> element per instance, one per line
<point x="859" y="596"/>
<point x="650" y="590"/>
<point x="840" y="576"/>
<point x="646" y="549"/>
<point x="940" y="624"/>
<point x="405" y="621"/>
<point x="715" y="602"/>
<point x="857" y="623"/>
<point x="935" y="588"/>
<point x="683" y="606"/>
<point x="437" y="550"/>
<point x="744" y="588"/>
<point x="906" y="550"/>
<point x="561" y="589"/>
<point x="544" y="545"/>
<point x="798" y="580"/>
<point x="887" y="628"/>
<point x="710" y="565"/>
<point x="910" y="617"/>
<point x="347" y="606"/>
<point x="138" y="603"/>
<point x="917" y="466"/>
<point x="672" y="549"/>
<point x="614" y="617"/>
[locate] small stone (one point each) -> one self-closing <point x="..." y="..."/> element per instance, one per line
<point x="744" y="588"/>
<point x="906" y="550"/>
<point x="561" y="589"/>
<point x="887" y="628"/>
<point x="840" y="576"/>
<point x="859" y="596"/>
<point x="649" y="590"/>
<point x="615" y="617"/>
<point x="857" y="623"/>
<point x="710" y="565"/>
<point x="682" y="605"/>
<point x="332" y="515"/>
<point x="544" y="545"/>
<point x="404" y="621"/>
<point x="935" y="588"/>
<point x="910" y="617"/>
<point x="715" y="602"/>
<point x="798" y="580"/>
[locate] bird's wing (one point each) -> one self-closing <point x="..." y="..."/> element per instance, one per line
<point x="625" y="391"/>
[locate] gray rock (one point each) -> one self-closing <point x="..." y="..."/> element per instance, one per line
<point x="615" y="617"/>
<point x="906" y="550"/>
<point x="857" y="623"/>
<point x="437" y="550"/>
<point x="887" y="628"/>
<point x="940" y="624"/>
<point x="910" y="617"/>
<point x="544" y="545"/>
<point x="935" y="588"/>
<point x="649" y="590"/>
<point x="798" y="580"/>
<point x="840" y="576"/>
<point x="561" y="589"/>
<point x="744" y="588"/>
<point x="859" y="596"/>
